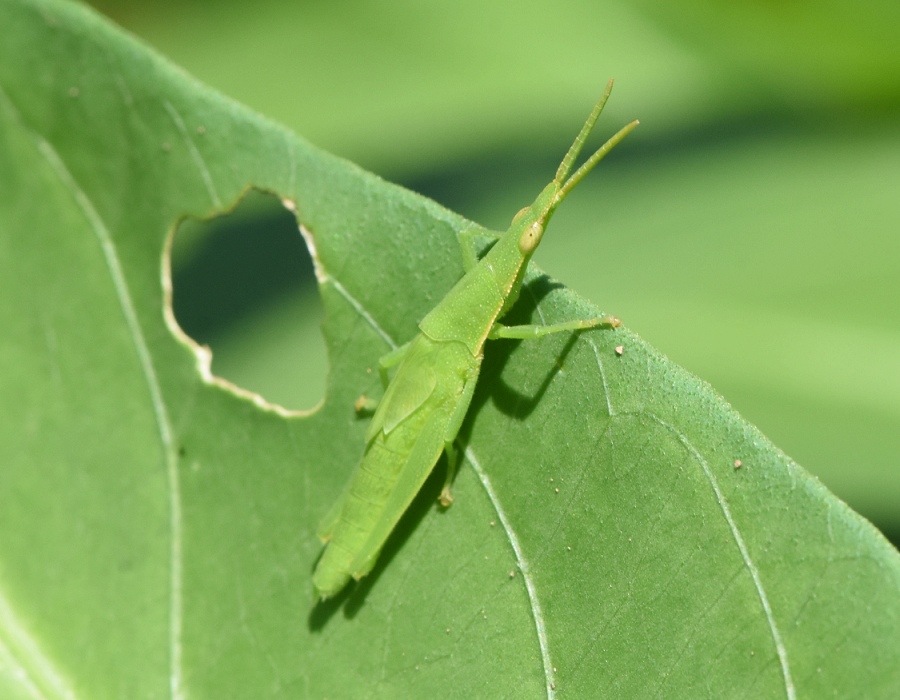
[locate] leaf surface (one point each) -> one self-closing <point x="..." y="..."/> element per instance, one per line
<point x="157" y="529"/>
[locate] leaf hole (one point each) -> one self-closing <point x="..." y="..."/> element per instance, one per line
<point x="243" y="285"/>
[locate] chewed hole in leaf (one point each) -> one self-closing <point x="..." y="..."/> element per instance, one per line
<point x="243" y="286"/>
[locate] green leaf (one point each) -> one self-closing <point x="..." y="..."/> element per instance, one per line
<point x="157" y="527"/>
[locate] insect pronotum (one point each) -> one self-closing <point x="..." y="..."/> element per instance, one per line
<point x="425" y="402"/>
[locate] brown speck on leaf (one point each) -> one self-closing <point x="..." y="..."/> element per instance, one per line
<point x="620" y="349"/>
<point x="166" y="147"/>
<point x="201" y="130"/>
<point x="512" y="574"/>
<point x="73" y="91"/>
<point x="737" y="464"/>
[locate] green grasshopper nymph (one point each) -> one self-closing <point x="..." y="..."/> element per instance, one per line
<point x="425" y="402"/>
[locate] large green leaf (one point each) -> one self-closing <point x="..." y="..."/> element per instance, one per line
<point x="156" y="529"/>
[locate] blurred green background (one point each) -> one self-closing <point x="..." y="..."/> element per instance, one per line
<point x="750" y="228"/>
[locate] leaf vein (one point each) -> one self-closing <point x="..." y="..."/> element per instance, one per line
<point x="536" y="610"/>
<point x="16" y="645"/>
<point x="159" y="408"/>
<point x="780" y="649"/>
<point x="195" y="154"/>
<point x="359" y="309"/>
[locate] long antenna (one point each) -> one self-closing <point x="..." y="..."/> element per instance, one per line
<point x="593" y="160"/>
<point x="578" y="143"/>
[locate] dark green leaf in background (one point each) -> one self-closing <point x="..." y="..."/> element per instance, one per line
<point x="618" y="529"/>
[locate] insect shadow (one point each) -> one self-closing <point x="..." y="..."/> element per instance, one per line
<point x="492" y="386"/>
<point x="353" y="597"/>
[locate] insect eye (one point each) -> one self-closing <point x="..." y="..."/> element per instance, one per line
<point x="530" y="238"/>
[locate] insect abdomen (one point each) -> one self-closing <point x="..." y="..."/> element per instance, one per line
<point x="393" y="469"/>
